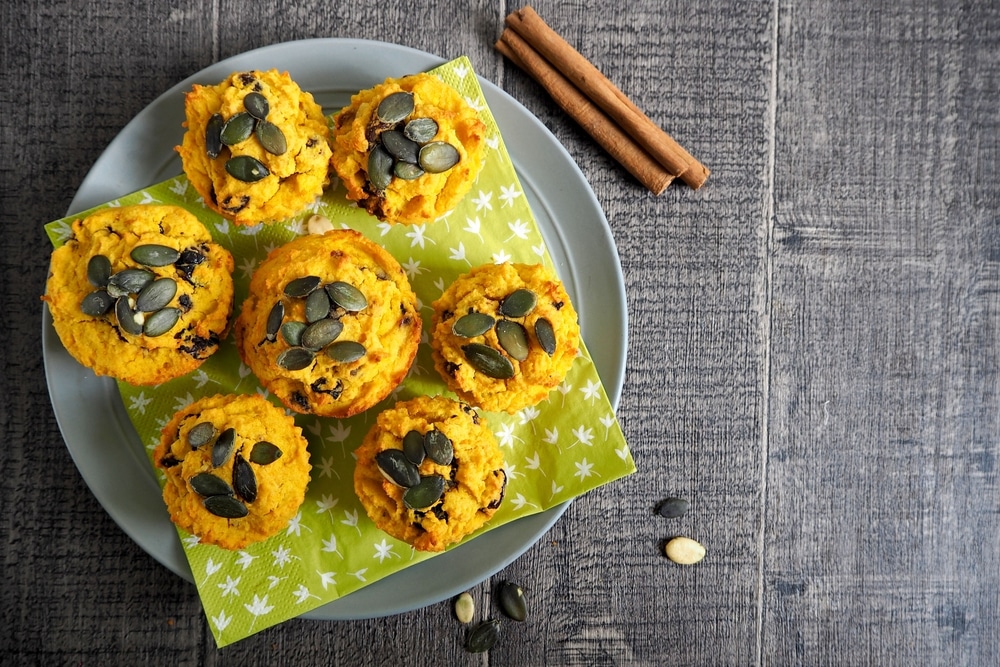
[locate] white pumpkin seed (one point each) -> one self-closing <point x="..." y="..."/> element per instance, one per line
<point x="684" y="551"/>
<point x="465" y="608"/>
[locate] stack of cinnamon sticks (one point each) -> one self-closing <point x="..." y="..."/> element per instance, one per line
<point x="605" y="112"/>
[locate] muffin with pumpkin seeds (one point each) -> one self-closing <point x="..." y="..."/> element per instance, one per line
<point x="257" y="146"/>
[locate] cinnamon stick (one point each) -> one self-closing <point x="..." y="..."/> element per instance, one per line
<point x="582" y="74"/>
<point x="621" y="147"/>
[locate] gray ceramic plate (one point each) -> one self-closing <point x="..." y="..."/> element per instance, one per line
<point x="89" y="409"/>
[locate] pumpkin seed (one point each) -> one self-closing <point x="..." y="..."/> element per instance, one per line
<point x="154" y="254"/>
<point x="201" y="434"/>
<point x="439" y="447"/>
<point x="347" y="296"/>
<point x="684" y="551"/>
<point x="213" y="135"/>
<point x="400" y="147"/>
<point x="345" y="351"/>
<point x="513" y="339"/>
<point x="413" y="447"/>
<point x="292" y="332"/>
<point x="672" y="508"/>
<point x="206" y="484"/>
<point x="274" y="318"/>
<point x="223" y="447"/>
<point x="295" y="359"/>
<point x="161" y="322"/>
<point x="465" y="608"/>
<point x="320" y="334"/>
<point x="438" y="156"/>
<point x="97" y="303"/>
<point x="156" y="295"/>
<point x="99" y="270"/>
<point x="271" y="138"/>
<point x="256" y="105"/>
<point x="519" y="303"/>
<point x="420" y="130"/>
<point x="244" y="479"/>
<point x="512" y="602"/>
<point x="396" y="468"/>
<point x="472" y="325"/>
<point x="395" y="107"/>
<point x="407" y="171"/>
<point x="226" y="507"/>
<point x="129" y="281"/>
<point x="264" y="453"/>
<point x="379" y="168"/>
<point x="483" y="636"/>
<point x="425" y="493"/>
<point x="546" y="335"/>
<point x="317" y="306"/>
<point x="127" y="317"/>
<point x="237" y="129"/>
<point x="247" y="169"/>
<point x="488" y="361"/>
<point x="301" y="287"/>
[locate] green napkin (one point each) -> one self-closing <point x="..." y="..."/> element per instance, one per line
<point x="565" y="446"/>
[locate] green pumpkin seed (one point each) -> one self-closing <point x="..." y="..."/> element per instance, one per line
<point x="396" y="468"/>
<point x="512" y="602"/>
<point x="244" y="479"/>
<point x="317" y="306"/>
<point x="206" y="484"/>
<point x="439" y="447"/>
<point x="97" y="303"/>
<point x="421" y="130"/>
<point x="438" y="156"/>
<point x="226" y="507"/>
<point x="223" y="447"/>
<point x="407" y="171"/>
<point x="271" y="138"/>
<point x="213" y="135"/>
<point x="347" y="296"/>
<point x="400" y="147"/>
<point x="256" y="105"/>
<point x="320" y="334"/>
<point x="472" y="325"/>
<point x="483" y="637"/>
<point x="161" y="322"/>
<point x="201" y="434"/>
<point x="129" y="281"/>
<point x="488" y="361"/>
<point x="301" y="287"/>
<point x="156" y="295"/>
<point x="345" y="351"/>
<point x="237" y="129"/>
<point x="126" y="317"/>
<point x="424" y="494"/>
<point x="247" y="169"/>
<point x="379" y="168"/>
<point x="519" y="303"/>
<point x="274" y="318"/>
<point x="99" y="270"/>
<point x="154" y="254"/>
<point x="513" y="339"/>
<point x="546" y="335"/>
<point x="413" y="447"/>
<point x="395" y="108"/>
<point x="264" y="453"/>
<point x="292" y="332"/>
<point x="295" y="359"/>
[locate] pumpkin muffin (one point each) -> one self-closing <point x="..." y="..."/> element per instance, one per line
<point x="256" y="148"/>
<point x="504" y="335"/>
<point x="331" y="325"/>
<point x="236" y="466"/>
<point x="409" y="149"/>
<point x="140" y="293"/>
<point x="429" y="472"/>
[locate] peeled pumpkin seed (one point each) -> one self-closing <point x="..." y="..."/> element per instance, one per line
<point x="347" y="296"/>
<point x="519" y="303"/>
<point x="424" y="494"/>
<point x="512" y="602"/>
<point x="439" y="447"/>
<point x="274" y="318"/>
<point x="379" y="168"/>
<point x="206" y="484"/>
<point x="244" y="479"/>
<point x="126" y="317"/>
<point x="301" y="287"/>
<point x="223" y="447"/>
<point x="201" y="434"/>
<point x="247" y="169"/>
<point x="160" y="322"/>
<point x="420" y="130"/>
<point x="546" y="335"/>
<point x="129" y="281"/>
<point x="438" y="156"/>
<point x="97" y="303"/>
<point x="399" y="147"/>
<point x="226" y="507"/>
<point x="295" y="358"/>
<point x="320" y="334"/>
<point x="395" y="107"/>
<point x="317" y="306"/>
<point x="213" y="135"/>
<point x="156" y="295"/>
<point x="345" y="351"/>
<point x="483" y="637"/>
<point x="237" y="129"/>
<point x="292" y="332"/>
<point x="413" y="447"/>
<point x="154" y="254"/>
<point x="472" y="325"/>
<point x="271" y="138"/>
<point x="256" y="105"/>
<point x="99" y="270"/>
<point x="488" y="361"/>
<point x="264" y="453"/>
<point x="513" y="339"/>
<point x="396" y="468"/>
<point x="407" y="171"/>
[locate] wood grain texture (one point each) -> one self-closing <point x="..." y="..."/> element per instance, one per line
<point x="812" y="362"/>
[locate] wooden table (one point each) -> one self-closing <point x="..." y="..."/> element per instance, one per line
<point x="812" y="356"/>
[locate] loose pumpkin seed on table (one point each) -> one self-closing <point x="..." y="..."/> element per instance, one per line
<point x="511" y="600"/>
<point x="684" y="550"/>
<point x="465" y="608"/>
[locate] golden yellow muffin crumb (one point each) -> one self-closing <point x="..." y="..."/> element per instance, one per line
<point x="504" y="335"/>
<point x="237" y="468"/>
<point x="429" y="472"/>
<point x="257" y="147"/>
<point x="388" y="161"/>
<point x="140" y="293"/>
<point x="331" y="325"/>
